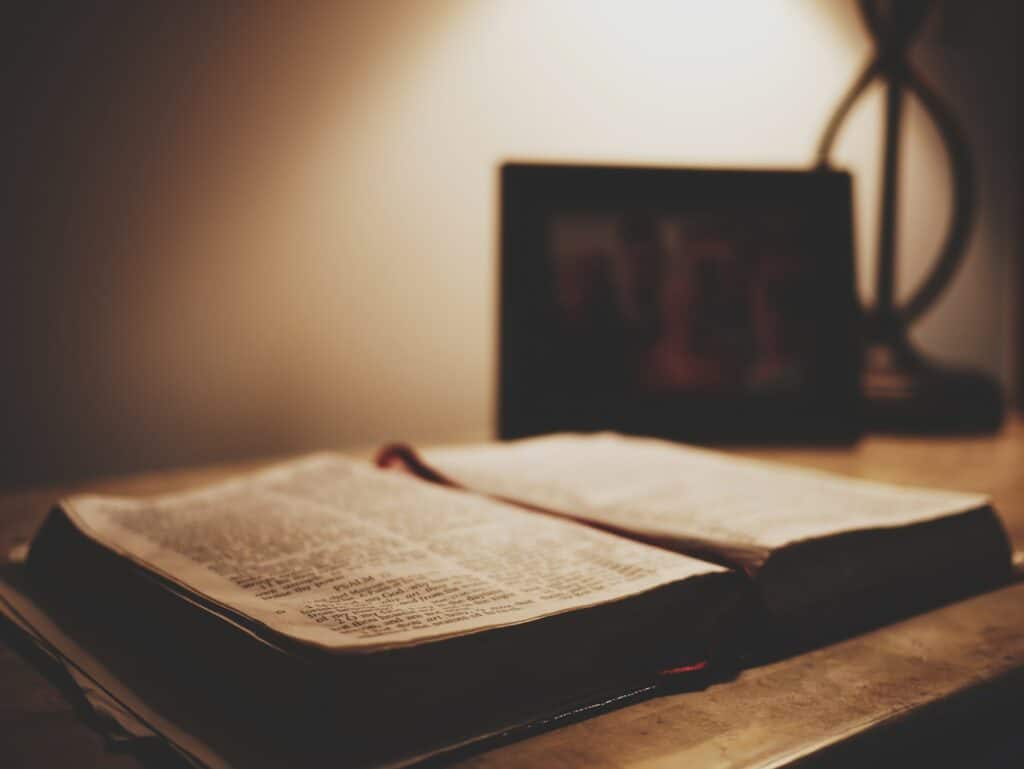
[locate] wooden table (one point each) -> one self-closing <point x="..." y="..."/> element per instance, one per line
<point x="944" y="688"/>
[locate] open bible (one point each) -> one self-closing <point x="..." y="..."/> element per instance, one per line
<point x="326" y="612"/>
<point x="325" y="605"/>
<point x="827" y="554"/>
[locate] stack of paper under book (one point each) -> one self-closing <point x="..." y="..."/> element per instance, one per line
<point x="325" y="612"/>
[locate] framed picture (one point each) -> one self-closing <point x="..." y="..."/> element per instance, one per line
<point x="713" y="305"/>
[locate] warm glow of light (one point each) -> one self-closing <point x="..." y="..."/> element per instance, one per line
<point x="299" y="248"/>
<point x="409" y="175"/>
<point x="366" y="223"/>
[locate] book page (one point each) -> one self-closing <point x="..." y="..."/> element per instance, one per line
<point x="336" y="553"/>
<point x="665" y="490"/>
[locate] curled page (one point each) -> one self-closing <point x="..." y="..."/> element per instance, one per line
<point x="666" y="491"/>
<point x="337" y="554"/>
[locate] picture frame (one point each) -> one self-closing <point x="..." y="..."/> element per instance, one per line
<point x="692" y="304"/>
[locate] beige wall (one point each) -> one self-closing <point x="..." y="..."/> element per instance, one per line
<point x="243" y="232"/>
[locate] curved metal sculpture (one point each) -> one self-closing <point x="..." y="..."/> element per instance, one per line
<point x="902" y="389"/>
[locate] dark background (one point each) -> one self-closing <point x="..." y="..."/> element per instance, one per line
<point x="234" y="231"/>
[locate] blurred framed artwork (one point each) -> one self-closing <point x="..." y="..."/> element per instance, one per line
<point x="713" y="305"/>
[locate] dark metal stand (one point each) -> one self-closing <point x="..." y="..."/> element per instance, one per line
<point x="903" y="389"/>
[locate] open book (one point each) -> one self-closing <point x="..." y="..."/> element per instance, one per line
<point x="325" y="602"/>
